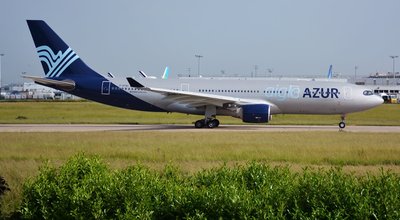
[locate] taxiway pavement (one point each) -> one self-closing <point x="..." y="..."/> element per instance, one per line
<point x="186" y="128"/>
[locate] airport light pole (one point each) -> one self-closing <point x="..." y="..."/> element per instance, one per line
<point x="1" y="85"/>
<point x="394" y="73"/>
<point x="355" y="74"/>
<point x="198" y="64"/>
<point x="270" y="70"/>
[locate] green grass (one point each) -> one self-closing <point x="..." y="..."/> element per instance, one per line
<point x="90" y="112"/>
<point x="22" y="153"/>
<point x="335" y="148"/>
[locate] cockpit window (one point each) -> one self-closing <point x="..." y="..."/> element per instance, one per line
<point x="368" y="92"/>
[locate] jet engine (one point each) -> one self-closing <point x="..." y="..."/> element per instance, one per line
<point x="255" y="113"/>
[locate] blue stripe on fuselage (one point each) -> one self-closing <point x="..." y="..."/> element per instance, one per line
<point x="91" y="88"/>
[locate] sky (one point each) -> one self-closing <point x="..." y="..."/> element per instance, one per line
<point x="292" y="38"/>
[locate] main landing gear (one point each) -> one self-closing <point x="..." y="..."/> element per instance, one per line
<point x="209" y="120"/>
<point x="209" y="123"/>
<point x="342" y="124"/>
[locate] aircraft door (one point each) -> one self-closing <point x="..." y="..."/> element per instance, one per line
<point x="105" y="87"/>
<point x="185" y="87"/>
<point x="347" y="93"/>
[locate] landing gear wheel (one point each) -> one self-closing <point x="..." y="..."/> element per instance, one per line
<point x="342" y="124"/>
<point x="199" y="124"/>
<point x="216" y="122"/>
<point x="213" y="123"/>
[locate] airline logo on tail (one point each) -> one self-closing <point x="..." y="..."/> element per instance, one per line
<point x="56" y="63"/>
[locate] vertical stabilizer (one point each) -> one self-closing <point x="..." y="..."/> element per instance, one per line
<point x="57" y="58"/>
<point x="166" y="73"/>
<point x="330" y="72"/>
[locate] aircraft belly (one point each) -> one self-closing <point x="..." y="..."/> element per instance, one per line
<point x="176" y="107"/>
<point x="168" y="105"/>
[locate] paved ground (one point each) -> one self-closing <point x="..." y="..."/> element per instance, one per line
<point x="186" y="128"/>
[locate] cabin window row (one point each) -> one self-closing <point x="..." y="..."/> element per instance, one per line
<point x="124" y="88"/>
<point x="275" y="92"/>
<point x="243" y="91"/>
<point x="229" y="90"/>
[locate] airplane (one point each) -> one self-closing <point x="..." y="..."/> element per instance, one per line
<point x="254" y="100"/>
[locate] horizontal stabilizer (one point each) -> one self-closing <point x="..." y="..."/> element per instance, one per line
<point x="67" y="85"/>
<point x="133" y="83"/>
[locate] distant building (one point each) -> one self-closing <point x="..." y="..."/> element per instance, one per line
<point x="377" y="78"/>
<point x="35" y="91"/>
<point x="31" y="90"/>
<point x="383" y="84"/>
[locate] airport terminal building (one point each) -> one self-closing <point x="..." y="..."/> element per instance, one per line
<point x="383" y="84"/>
<point x="31" y="90"/>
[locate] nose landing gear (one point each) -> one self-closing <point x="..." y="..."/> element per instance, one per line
<point x="342" y="124"/>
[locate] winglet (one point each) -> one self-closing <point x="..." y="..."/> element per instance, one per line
<point x="111" y="75"/>
<point x="133" y="83"/>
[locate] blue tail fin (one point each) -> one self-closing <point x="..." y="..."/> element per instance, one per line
<point x="57" y="58"/>
<point x="330" y="72"/>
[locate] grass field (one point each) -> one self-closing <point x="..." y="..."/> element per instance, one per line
<point x="91" y="112"/>
<point x="22" y="153"/>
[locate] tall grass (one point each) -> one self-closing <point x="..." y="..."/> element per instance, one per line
<point x="337" y="148"/>
<point x="86" y="188"/>
<point x="22" y="153"/>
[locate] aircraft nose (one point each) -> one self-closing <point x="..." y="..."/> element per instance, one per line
<point x="376" y="100"/>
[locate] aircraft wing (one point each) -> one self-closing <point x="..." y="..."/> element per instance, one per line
<point x="197" y="99"/>
<point x="62" y="84"/>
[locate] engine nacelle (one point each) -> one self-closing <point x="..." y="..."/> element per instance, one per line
<point x="255" y="113"/>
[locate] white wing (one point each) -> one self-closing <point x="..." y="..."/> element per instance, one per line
<point x="197" y="99"/>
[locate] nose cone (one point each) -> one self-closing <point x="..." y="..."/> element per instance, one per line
<point x="364" y="99"/>
<point x="374" y="101"/>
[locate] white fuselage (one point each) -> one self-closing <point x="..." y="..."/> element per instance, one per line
<point x="286" y="96"/>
